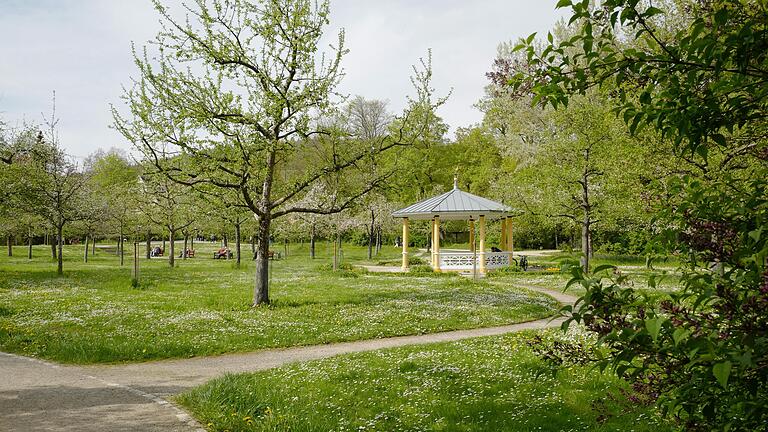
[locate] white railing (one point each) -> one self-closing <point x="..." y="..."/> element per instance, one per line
<point x="464" y="260"/>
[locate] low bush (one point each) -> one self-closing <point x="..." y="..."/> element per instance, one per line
<point x="505" y="271"/>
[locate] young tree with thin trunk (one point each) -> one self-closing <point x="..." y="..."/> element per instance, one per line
<point x="166" y="204"/>
<point x="114" y="181"/>
<point x="15" y="147"/>
<point x="237" y="88"/>
<point x="53" y="187"/>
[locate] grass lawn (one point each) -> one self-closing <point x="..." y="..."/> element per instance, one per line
<point x="202" y="307"/>
<point x="483" y="384"/>
<point x="665" y="271"/>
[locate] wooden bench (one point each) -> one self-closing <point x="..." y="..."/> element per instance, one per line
<point x="106" y="248"/>
<point x="270" y="255"/>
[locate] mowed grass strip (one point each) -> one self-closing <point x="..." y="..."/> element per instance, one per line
<point x="202" y="307"/>
<point x="483" y="384"/>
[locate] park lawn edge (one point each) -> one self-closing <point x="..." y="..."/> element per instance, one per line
<point x="299" y="396"/>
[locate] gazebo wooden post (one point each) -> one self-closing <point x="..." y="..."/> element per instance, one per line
<point x="510" y="237"/>
<point x="405" y="244"/>
<point x="503" y="241"/>
<point x="432" y="242"/>
<point x="482" y="244"/>
<point x="436" y="245"/>
<point x="471" y="235"/>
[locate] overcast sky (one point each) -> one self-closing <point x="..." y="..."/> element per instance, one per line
<point x="81" y="49"/>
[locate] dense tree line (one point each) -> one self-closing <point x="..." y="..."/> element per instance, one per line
<point x="254" y="143"/>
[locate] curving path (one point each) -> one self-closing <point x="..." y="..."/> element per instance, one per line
<point x="40" y="396"/>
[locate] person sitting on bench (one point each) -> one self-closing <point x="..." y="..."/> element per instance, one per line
<point x="223" y="252"/>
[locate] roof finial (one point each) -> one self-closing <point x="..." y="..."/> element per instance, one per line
<point x="456" y="180"/>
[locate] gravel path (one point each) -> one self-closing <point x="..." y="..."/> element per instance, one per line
<point x="41" y="396"/>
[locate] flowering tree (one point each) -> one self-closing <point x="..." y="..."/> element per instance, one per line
<point x="238" y="88"/>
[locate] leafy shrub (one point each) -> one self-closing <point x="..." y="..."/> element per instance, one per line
<point x="421" y="269"/>
<point x="344" y="270"/>
<point x="412" y="261"/>
<point x="426" y="270"/>
<point x="701" y="353"/>
<point x="566" y="263"/>
<point x="505" y="271"/>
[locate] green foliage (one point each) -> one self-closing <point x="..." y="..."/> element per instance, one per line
<point x="657" y="78"/>
<point x="699" y="81"/>
<point x="571" y="170"/>
<point x="240" y="98"/>
<point x="421" y="269"/>
<point x="505" y="271"/>
<point x="343" y="270"/>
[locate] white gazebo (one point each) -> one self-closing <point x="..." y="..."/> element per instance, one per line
<point x="459" y="205"/>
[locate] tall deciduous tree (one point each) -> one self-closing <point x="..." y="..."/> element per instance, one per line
<point x="236" y="88"/>
<point x="368" y="121"/>
<point x="587" y="170"/>
<point x="115" y="189"/>
<point x="167" y="204"/>
<point x="52" y="186"/>
<point x="15" y="146"/>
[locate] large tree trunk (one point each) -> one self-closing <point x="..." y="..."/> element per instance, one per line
<point x="237" y="244"/>
<point x="171" y="251"/>
<point x="261" y="288"/>
<point x="60" y="255"/>
<point x="85" y="250"/>
<point x="312" y="242"/>
<point x="9" y="239"/>
<point x="371" y="234"/>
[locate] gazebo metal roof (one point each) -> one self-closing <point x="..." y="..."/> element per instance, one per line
<point x="455" y="205"/>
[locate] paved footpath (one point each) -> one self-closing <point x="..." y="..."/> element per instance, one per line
<point x="40" y="396"/>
